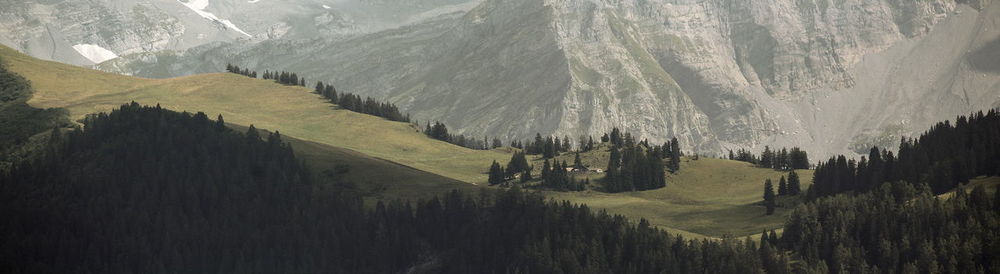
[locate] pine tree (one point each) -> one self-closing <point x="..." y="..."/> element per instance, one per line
<point x="767" y="158"/>
<point x="518" y="163"/>
<point x="495" y="174"/>
<point x="548" y="148"/>
<point x="252" y="134"/>
<point x="782" y="187"/>
<point x="220" y="124"/>
<point x="616" y="137"/>
<point x="577" y="162"/>
<point x="769" y="199"/>
<point x="611" y="178"/>
<point x="675" y="155"/>
<point x="794" y="186"/>
<point x="320" y="88"/>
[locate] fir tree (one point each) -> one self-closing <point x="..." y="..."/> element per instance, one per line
<point x="675" y="155"/>
<point x="496" y="174"/>
<point x="769" y="198"/>
<point x="782" y="187"/>
<point x="794" y="186"/>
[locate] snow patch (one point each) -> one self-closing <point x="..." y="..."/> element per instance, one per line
<point x="253" y="1"/>
<point x="327" y="7"/>
<point x="95" y="53"/>
<point x="198" y="6"/>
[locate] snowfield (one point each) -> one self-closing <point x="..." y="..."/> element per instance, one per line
<point x="95" y="53"/>
<point x="198" y="6"/>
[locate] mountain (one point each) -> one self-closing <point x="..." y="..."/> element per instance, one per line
<point x="85" y="32"/>
<point x="832" y="77"/>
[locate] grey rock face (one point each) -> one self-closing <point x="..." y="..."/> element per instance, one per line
<point x="50" y="29"/>
<point x="829" y="76"/>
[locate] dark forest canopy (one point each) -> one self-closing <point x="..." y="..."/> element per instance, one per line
<point x="148" y="190"/>
<point x="942" y="158"/>
<point x="897" y="228"/>
<point x="20" y="121"/>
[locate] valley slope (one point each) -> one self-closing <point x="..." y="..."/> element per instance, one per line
<point x="293" y="111"/>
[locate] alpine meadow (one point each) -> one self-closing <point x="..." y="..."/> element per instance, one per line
<point x="499" y="136"/>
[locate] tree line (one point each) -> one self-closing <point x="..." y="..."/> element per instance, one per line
<point x="784" y="159"/>
<point x="943" y="157"/>
<point x="242" y="71"/>
<point x="285" y="78"/>
<point x="439" y="131"/>
<point x="368" y="105"/>
<point x="549" y="147"/>
<point x="897" y="228"/>
<point x="147" y="190"/>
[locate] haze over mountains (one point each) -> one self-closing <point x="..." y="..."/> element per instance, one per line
<point x="829" y="76"/>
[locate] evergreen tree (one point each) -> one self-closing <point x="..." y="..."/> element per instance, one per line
<point x="616" y="137"/>
<point x="518" y="163"/>
<point x="320" y="89"/>
<point x="577" y="162"/>
<point x="767" y="158"/>
<point x="794" y="186"/>
<point x="220" y="124"/>
<point x="496" y="174"/>
<point x="782" y="187"/>
<point x="769" y="198"/>
<point x="548" y="148"/>
<point x="675" y="155"/>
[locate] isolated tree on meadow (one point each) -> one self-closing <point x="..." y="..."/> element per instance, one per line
<point x="496" y="174"/>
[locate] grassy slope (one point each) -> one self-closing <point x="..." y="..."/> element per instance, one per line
<point x="990" y="183"/>
<point x="708" y="197"/>
<point x="293" y="111"/>
<point x="375" y="178"/>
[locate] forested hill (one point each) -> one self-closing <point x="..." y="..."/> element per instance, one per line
<point x="148" y="190"/>
<point x="20" y="121"/>
<point x="947" y="155"/>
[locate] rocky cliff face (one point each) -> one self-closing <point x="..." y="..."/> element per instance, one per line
<point x="86" y="32"/>
<point x="829" y="76"/>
